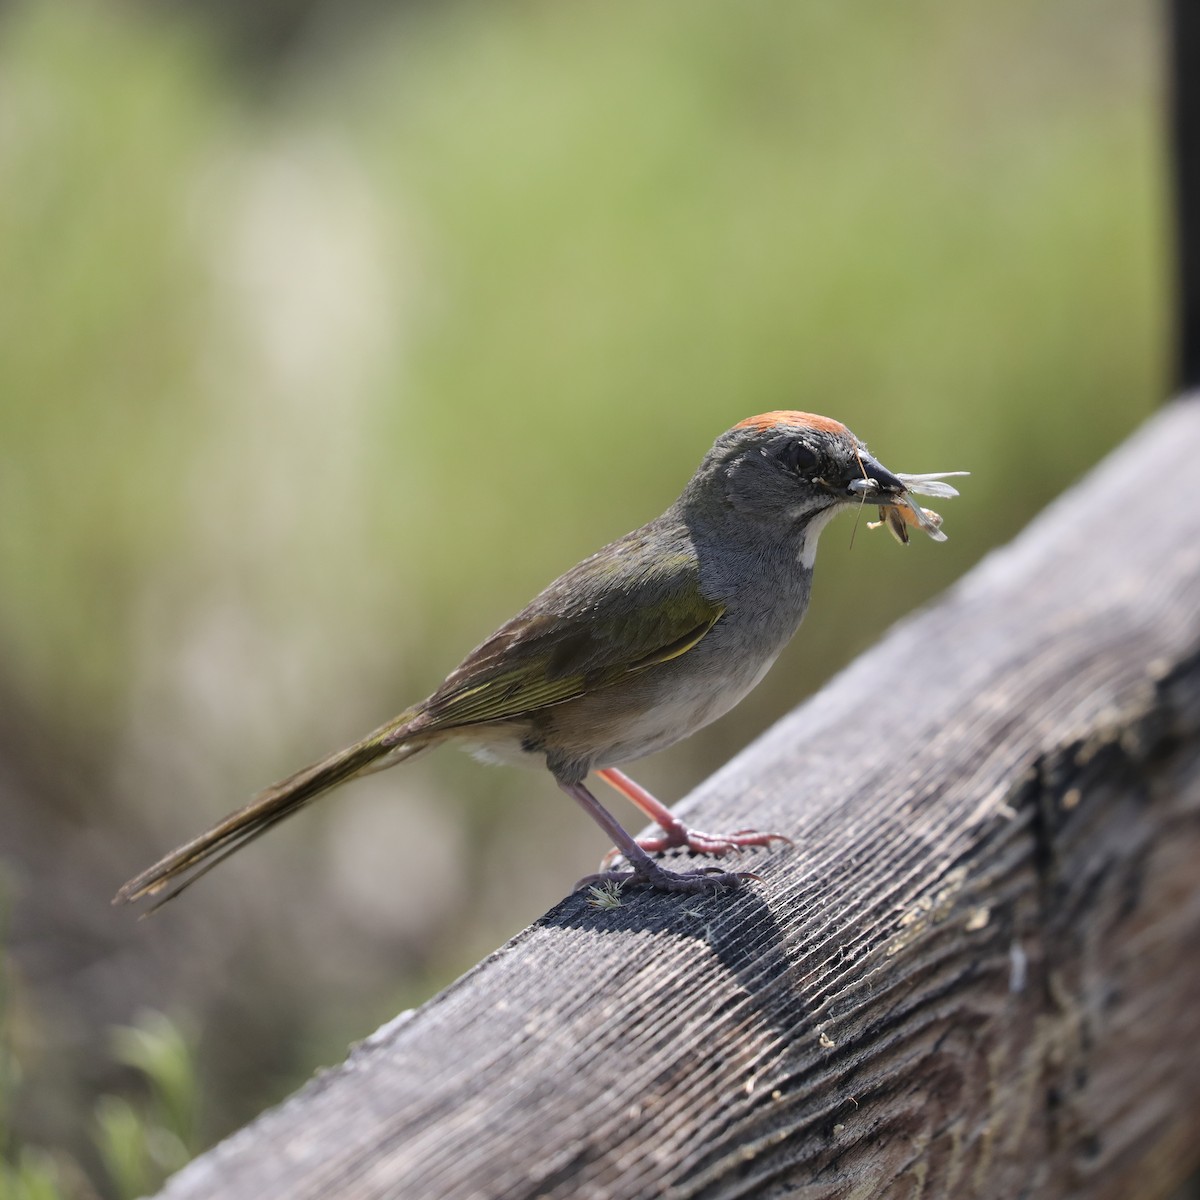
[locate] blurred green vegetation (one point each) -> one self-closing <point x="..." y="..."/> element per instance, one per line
<point x="138" y="1143"/>
<point x="309" y="382"/>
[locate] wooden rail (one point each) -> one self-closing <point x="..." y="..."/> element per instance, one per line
<point x="977" y="974"/>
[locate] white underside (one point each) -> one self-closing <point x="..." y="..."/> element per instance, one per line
<point x="808" y="548"/>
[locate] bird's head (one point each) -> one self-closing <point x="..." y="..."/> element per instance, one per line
<point x="791" y="469"/>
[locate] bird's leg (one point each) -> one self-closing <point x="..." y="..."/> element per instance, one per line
<point x="643" y="869"/>
<point x="674" y="831"/>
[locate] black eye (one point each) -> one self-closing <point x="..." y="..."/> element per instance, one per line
<point x="800" y="458"/>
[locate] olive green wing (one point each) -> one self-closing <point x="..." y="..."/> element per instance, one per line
<point x="624" y="610"/>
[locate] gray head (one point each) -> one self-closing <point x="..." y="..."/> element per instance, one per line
<point x="789" y="471"/>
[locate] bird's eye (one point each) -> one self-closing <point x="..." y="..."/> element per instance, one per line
<point x="800" y="458"/>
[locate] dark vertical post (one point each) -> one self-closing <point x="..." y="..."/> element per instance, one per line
<point x="1184" y="83"/>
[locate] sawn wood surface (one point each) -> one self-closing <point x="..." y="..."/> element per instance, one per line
<point x="976" y="974"/>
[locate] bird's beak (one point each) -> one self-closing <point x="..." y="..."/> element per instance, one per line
<point x="877" y="485"/>
<point x="894" y="496"/>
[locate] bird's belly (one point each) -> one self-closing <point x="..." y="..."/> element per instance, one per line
<point x="614" y="725"/>
<point x="676" y="713"/>
<point x="631" y="719"/>
<point x="503" y="745"/>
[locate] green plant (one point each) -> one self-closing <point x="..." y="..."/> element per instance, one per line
<point x="140" y="1141"/>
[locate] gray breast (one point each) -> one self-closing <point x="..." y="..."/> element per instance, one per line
<point x="661" y="705"/>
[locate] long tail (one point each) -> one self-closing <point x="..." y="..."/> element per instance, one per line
<point x="196" y="858"/>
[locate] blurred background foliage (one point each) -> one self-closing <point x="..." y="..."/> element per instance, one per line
<point x="329" y="333"/>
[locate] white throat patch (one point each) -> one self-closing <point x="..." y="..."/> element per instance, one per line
<point x="808" y="548"/>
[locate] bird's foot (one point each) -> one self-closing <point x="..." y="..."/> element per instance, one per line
<point x="642" y="868"/>
<point x="674" y="831"/>
<point x="706" y="879"/>
<point x="715" y="845"/>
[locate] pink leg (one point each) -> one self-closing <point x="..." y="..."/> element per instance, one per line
<point x="674" y="831"/>
<point x="643" y="868"/>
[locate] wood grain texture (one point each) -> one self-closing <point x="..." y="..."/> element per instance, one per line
<point x="977" y="974"/>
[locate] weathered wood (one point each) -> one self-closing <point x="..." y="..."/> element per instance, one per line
<point x="977" y="974"/>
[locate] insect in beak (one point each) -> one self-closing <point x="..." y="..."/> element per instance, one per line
<point x="898" y="510"/>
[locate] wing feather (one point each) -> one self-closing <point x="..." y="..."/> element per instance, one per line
<point x="628" y="608"/>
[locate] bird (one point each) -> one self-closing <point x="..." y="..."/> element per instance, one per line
<point x="636" y="647"/>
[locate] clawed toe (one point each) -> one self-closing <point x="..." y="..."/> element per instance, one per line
<point x="718" y="844"/>
<point x="715" y="845"/>
<point x="673" y="834"/>
<point x="760" y="839"/>
<point x="696" y="841"/>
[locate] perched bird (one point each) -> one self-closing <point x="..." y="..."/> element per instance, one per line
<point x="643" y="643"/>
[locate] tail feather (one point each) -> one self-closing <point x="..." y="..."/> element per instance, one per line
<point x="190" y="861"/>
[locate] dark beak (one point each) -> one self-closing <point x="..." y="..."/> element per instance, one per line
<point x="878" y="485"/>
